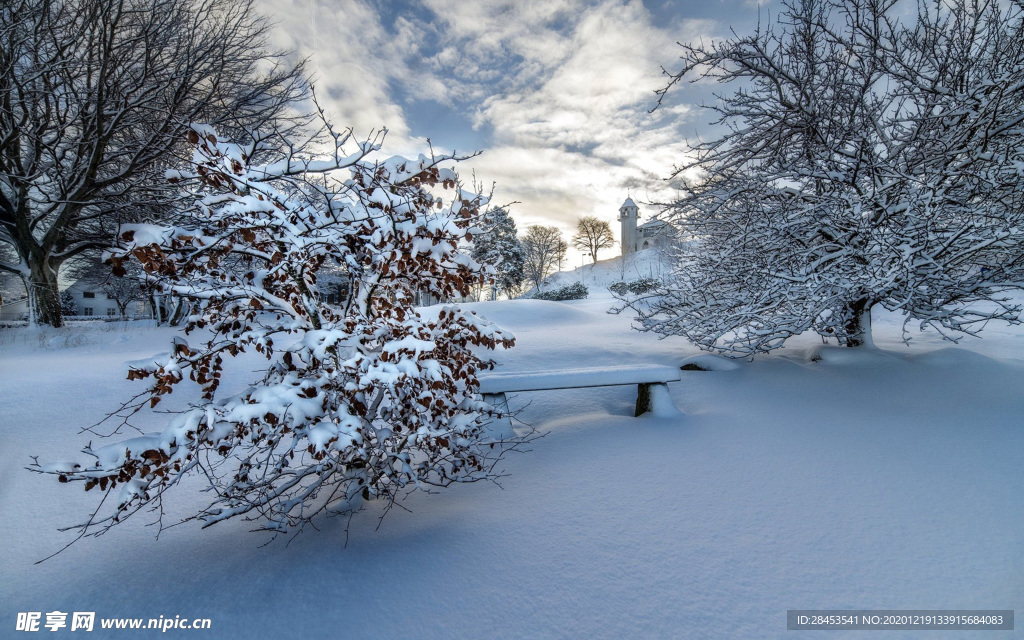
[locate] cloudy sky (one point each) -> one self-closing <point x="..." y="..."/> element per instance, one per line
<point x="556" y="94"/>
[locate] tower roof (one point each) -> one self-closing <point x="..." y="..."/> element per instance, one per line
<point x="629" y="203"/>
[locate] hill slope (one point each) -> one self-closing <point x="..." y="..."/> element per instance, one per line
<point x="649" y="263"/>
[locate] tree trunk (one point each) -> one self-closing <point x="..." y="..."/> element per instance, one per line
<point x="858" y="327"/>
<point x="179" y="312"/>
<point x="44" y="296"/>
<point x="156" y="304"/>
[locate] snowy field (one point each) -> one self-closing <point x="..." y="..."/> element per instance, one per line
<point x="810" y="479"/>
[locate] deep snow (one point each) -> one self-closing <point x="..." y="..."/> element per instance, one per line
<point x="648" y="263"/>
<point x="815" y="478"/>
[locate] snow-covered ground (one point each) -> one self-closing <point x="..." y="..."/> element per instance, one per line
<point x="809" y="479"/>
<point x="649" y="263"/>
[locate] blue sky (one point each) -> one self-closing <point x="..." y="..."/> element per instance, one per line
<point x="555" y="94"/>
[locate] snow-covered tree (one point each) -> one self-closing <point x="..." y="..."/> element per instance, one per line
<point x="592" y="235"/>
<point x="498" y="247"/>
<point x="361" y="400"/>
<point x="95" y="95"/>
<point x="543" y="252"/>
<point x="869" y="158"/>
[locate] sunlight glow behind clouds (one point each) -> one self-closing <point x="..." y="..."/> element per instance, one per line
<point x="556" y="93"/>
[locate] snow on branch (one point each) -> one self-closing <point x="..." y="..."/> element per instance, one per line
<point x="364" y="397"/>
<point x="869" y="158"/>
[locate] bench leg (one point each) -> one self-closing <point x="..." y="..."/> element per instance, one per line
<point x="500" y="427"/>
<point x="655" y="399"/>
<point x="643" y="399"/>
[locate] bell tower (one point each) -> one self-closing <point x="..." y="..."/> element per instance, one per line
<point x="629" y="213"/>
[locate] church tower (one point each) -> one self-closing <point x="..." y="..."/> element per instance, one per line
<point x="629" y="213"/>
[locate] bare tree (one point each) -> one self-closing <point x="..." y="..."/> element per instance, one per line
<point x="543" y="252"/>
<point x="123" y="291"/>
<point x="592" y="235"/>
<point x="95" y="96"/>
<point x="870" y="158"/>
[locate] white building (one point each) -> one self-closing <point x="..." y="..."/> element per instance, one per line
<point x="91" y="300"/>
<point x="653" y="233"/>
<point x="13" y="308"/>
<point x="629" y="213"/>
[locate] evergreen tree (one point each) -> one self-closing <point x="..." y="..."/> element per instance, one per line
<point x="498" y="247"/>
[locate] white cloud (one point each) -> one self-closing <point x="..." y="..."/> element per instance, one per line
<point x="352" y="57"/>
<point x="577" y="142"/>
<point x="499" y="46"/>
<point x="561" y="89"/>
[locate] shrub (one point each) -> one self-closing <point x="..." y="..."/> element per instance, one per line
<point x="643" y="285"/>
<point x="636" y="287"/>
<point x="619" y="288"/>
<point x="577" y="291"/>
<point x="367" y="399"/>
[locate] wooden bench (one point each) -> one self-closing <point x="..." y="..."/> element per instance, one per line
<point x="652" y="388"/>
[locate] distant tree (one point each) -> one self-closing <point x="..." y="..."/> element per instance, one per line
<point x="543" y="252"/>
<point x="870" y="158"/>
<point x="95" y="98"/>
<point x="123" y="291"/>
<point x="363" y="399"/>
<point x="498" y="247"/>
<point x="592" y="235"/>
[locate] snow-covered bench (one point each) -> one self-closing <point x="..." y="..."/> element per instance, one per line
<point x="652" y="387"/>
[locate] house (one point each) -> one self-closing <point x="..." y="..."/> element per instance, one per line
<point x="92" y="299"/>
<point x="86" y="299"/>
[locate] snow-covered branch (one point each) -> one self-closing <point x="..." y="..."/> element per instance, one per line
<point x="362" y="399"/>
<point x="871" y="158"/>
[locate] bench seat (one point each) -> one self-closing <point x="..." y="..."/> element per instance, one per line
<point x="651" y="381"/>
<point x="577" y="378"/>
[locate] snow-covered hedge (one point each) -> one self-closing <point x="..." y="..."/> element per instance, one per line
<point x="577" y="291"/>
<point x="636" y="287"/>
